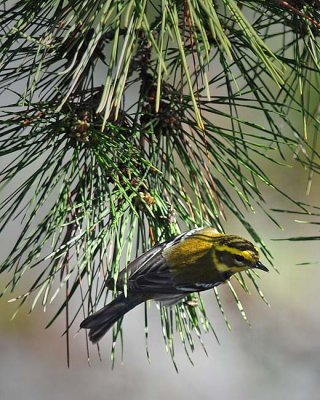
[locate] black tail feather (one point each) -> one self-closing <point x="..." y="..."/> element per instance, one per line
<point x="100" y="322"/>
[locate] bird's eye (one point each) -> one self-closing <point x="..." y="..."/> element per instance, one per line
<point x="239" y="259"/>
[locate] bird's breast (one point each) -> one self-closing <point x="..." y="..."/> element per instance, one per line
<point x="194" y="266"/>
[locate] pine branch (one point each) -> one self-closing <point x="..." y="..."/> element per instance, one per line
<point x="133" y="125"/>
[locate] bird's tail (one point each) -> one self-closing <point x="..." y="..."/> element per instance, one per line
<point x="100" y="322"/>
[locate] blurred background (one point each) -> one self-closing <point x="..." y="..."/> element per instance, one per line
<point x="278" y="356"/>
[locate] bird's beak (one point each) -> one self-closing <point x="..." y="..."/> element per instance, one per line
<point x="259" y="265"/>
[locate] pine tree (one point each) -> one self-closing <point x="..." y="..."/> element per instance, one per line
<point x="128" y="123"/>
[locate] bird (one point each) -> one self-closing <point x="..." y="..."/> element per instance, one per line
<point x="193" y="261"/>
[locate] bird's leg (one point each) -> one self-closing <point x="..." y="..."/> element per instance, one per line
<point x="191" y="301"/>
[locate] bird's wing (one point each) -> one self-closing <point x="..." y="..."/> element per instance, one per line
<point x="150" y="272"/>
<point x="149" y="261"/>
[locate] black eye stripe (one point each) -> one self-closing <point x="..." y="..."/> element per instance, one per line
<point x="240" y="258"/>
<point x="231" y="259"/>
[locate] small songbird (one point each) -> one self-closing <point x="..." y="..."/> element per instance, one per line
<point x="191" y="262"/>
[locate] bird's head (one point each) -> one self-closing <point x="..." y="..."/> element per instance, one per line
<point x="234" y="254"/>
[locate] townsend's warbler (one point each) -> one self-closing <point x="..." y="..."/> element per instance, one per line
<point x="192" y="262"/>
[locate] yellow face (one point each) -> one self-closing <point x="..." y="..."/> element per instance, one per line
<point x="235" y="254"/>
<point x="231" y="259"/>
